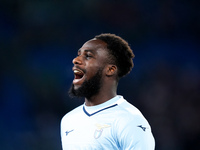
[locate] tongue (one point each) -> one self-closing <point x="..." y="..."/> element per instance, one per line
<point x="78" y="76"/>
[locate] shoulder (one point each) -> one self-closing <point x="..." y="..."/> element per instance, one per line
<point x="127" y="111"/>
<point x="73" y="113"/>
<point x="130" y="119"/>
<point x="132" y="128"/>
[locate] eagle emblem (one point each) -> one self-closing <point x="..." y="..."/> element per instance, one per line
<point x="99" y="130"/>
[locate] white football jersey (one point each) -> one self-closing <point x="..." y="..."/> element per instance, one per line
<point x="113" y="125"/>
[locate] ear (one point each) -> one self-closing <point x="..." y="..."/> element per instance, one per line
<point x="111" y="70"/>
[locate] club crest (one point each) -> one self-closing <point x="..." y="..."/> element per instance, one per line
<point x="99" y="130"/>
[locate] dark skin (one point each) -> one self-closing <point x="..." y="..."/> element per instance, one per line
<point x="92" y="56"/>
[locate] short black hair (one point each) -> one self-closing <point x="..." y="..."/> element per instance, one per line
<point x="120" y="52"/>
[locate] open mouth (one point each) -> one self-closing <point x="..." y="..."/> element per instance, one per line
<point x="78" y="74"/>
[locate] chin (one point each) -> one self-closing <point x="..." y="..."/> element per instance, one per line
<point x="76" y="87"/>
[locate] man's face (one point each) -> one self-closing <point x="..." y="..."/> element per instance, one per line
<point x="88" y="69"/>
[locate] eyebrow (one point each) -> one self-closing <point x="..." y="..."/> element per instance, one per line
<point x="86" y="50"/>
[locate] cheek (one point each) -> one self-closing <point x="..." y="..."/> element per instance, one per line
<point x="92" y="68"/>
<point x="90" y="73"/>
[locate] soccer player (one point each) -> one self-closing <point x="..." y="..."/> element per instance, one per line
<point x="106" y="121"/>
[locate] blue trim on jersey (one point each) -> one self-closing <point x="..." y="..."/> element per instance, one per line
<point x="98" y="110"/>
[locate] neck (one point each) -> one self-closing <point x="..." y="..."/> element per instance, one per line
<point x="103" y="96"/>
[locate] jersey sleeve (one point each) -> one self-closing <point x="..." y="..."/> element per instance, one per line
<point x="135" y="134"/>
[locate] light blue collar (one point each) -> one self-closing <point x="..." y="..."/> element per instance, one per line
<point x="89" y="110"/>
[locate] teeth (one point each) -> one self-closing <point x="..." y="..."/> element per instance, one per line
<point x="76" y="71"/>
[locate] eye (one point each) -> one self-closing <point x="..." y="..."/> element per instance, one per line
<point x="88" y="56"/>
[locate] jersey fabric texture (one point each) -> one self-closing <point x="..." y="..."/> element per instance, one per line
<point x="113" y="125"/>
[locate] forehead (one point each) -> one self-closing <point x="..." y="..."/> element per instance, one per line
<point x="94" y="45"/>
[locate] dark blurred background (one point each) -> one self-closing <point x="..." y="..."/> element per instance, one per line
<point x="39" y="39"/>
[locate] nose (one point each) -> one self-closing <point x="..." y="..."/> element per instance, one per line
<point x="77" y="60"/>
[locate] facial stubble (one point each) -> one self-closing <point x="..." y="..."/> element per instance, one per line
<point x="89" y="87"/>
